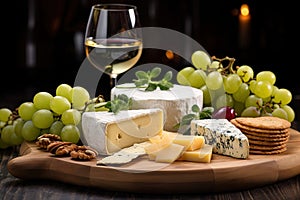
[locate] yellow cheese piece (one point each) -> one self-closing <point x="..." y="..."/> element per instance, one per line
<point x="200" y="155"/>
<point x="190" y="142"/>
<point x="158" y="143"/>
<point x="169" y="154"/>
<point x="197" y="143"/>
<point x="184" y="140"/>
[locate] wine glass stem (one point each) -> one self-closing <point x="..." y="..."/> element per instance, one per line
<point x="113" y="80"/>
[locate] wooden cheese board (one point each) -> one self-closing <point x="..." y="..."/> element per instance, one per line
<point x="223" y="174"/>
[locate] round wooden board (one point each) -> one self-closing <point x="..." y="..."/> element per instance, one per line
<point x="223" y="174"/>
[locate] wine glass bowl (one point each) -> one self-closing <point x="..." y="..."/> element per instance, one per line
<point x="113" y="39"/>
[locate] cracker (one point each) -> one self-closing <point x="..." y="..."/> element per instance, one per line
<point x="266" y="134"/>
<point x="266" y="143"/>
<point x="251" y="151"/>
<point x="268" y="139"/>
<point x="257" y="129"/>
<point x="264" y="122"/>
<point x="266" y="148"/>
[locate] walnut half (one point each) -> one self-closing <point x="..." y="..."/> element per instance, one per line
<point x="84" y="153"/>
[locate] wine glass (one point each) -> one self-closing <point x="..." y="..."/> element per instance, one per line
<point x="113" y="39"/>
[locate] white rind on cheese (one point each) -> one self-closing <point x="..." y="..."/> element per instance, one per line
<point x="108" y="132"/>
<point x="223" y="135"/>
<point x="175" y="102"/>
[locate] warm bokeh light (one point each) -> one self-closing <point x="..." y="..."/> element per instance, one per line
<point x="245" y="10"/>
<point x="169" y="54"/>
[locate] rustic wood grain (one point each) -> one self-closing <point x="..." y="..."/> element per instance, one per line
<point x="223" y="174"/>
<point x="15" y="188"/>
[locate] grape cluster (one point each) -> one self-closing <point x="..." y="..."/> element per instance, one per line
<point x="236" y="87"/>
<point x="58" y="114"/>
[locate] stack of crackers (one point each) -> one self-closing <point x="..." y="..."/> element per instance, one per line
<point x="267" y="135"/>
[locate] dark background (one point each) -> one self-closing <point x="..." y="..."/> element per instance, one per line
<point x="56" y="29"/>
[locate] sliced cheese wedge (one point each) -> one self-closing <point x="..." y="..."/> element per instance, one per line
<point x="190" y="142"/>
<point x="200" y="155"/>
<point x="169" y="154"/>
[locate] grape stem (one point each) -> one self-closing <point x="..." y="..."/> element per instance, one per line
<point x="229" y="67"/>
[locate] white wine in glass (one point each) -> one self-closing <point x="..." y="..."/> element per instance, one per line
<point x="113" y="39"/>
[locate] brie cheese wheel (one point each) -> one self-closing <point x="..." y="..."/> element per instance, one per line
<point x="175" y="102"/>
<point x="108" y="133"/>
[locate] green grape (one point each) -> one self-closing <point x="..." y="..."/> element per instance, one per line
<point x="56" y="127"/>
<point x="252" y="84"/>
<point x="18" y="125"/>
<point x="214" y="80"/>
<point x="42" y="119"/>
<point x="71" y="116"/>
<point x="251" y="111"/>
<point x="197" y="78"/>
<point x="5" y="114"/>
<point x="16" y="139"/>
<point x="263" y="89"/>
<point x="182" y="75"/>
<point x="2" y="124"/>
<point x="232" y="83"/>
<point x="200" y="60"/>
<point x="80" y="96"/>
<point x="242" y="93"/>
<point x="245" y="72"/>
<point x="266" y="76"/>
<point x="224" y="100"/>
<point x="26" y="110"/>
<point x="70" y="133"/>
<point x="282" y="96"/>
<point x="290" y="112"/>
<point x="3" y="145"/>
<point x="275" y="89"/>
<point x="216" y="65"/>
<point x="238" y="107"/>
<point x="6" y="133"/>
<point x="59" y="104"/>
<point x="206" y="95"/>
<point x="280" y="112"/>
<point x="253" y="100"/>
<point x="41" y="100"/>
<point x="29" y="131"/>
<point x="64" y="90"/>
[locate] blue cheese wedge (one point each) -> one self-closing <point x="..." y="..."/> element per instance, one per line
<point x="223" y="135"/>
<point x="175" y="102"/>
<point x="108" y="133"/>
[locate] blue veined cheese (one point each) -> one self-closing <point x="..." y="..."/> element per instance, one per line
<point x="223" y="135"/>
<point x="175" y="102"/>
<point x="108" y="133"/>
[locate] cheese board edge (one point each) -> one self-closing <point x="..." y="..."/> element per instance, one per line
<point x="179" y="177"/>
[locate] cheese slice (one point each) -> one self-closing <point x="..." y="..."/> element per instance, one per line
<point x="190" y="142"/>
<point x="108" y="132"/>
<point x="203" y="154"/>
<point x="223" y="135"/>
<point x="170" y="153"/>
<point x="175" y="102"/>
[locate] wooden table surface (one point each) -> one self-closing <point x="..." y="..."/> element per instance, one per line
<point x="14" y="188"/>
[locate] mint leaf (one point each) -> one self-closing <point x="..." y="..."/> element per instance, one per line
<point x="146" y="79"/>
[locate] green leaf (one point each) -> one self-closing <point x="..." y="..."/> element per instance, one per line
<point x="208" y="109"/>
<point x="120" y="102"/>
<point x="186" y="120"/>
<point x="195" y="108"/>
<point x="141" y="75"/>
<point x="155" y="72"/>
<point x="168" y="76"/>
<point x="151" y="87"/>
